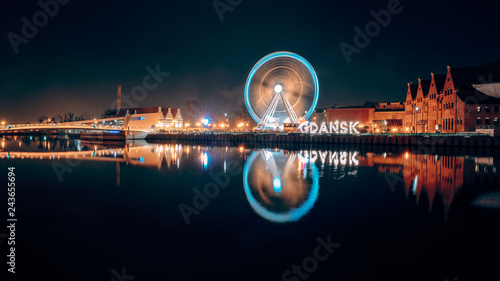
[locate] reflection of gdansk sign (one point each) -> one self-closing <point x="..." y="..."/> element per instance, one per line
<point x="329" y="128"/>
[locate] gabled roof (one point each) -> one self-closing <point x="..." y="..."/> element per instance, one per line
<point x="439" y="79"/>
<point x="413" y="89"/>
<point x="425" y="84"/>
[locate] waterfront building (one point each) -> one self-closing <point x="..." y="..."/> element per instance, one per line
<point x="372" y="117"/>
<point x="152" y="119"/>
<point x="465" y="99"/>
<point x="320" y="115"/>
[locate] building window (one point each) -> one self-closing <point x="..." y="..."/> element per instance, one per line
<point x="496" y="109"/>
<point x="495" y="121"/>
<point x="478" y="122"/>
<point x="487" y="109"/>
<point x="451" y="121"/>
<point x="487" y="121"/>
<point x="478" y="109"/>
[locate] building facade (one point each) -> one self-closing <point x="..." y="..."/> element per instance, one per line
<point x="462" y="100"/>
<point x="152" y="118"/>
<point x="372" y="117"/>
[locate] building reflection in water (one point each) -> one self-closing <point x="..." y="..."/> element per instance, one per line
<point x="435" y="180"/>
<point x="280" y="187"/>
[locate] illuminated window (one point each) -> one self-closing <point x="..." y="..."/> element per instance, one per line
<point x="495" y="121"/>
<point x="478" y="109"/>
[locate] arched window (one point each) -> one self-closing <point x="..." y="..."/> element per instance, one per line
<point x="487" y="121"/>
<point x="495" y="121"/>
<point x="478" y="121"/>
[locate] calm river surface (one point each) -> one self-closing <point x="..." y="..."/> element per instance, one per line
<point x="189" y="211"/>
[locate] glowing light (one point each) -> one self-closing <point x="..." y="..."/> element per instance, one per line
<point x="278" y="88"/>
<point x="205" y="160"/>
<point x="205" y="121"/>
<point x="277" y="184"/>
<point x="415" y="184"/>
<point x="280" y="55"/>
<point x="329" y="128"/>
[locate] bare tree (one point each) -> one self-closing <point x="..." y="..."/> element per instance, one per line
<point x="42" y="118"/>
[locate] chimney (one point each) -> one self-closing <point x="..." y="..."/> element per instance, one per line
<point x="119" y="99"/>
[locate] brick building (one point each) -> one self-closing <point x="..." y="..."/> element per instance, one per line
<point x="372" y="117"/>
<point x="465" y="99"/>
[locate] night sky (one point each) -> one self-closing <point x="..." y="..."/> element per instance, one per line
<point x="76" y="60"/>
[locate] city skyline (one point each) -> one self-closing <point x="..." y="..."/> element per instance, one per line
<point x="79" y="62"/>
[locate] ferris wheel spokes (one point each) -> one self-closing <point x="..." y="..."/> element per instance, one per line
<point x="291" y="113"/>
<point x="271" y="109"/>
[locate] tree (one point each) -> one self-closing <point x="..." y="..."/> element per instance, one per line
<point x="109" y="113"/>
<point x="241" y="115"/>
<point x="191" y="111"/>
<point x="42" y="118"/>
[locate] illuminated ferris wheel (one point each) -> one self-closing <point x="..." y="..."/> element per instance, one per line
<point x="281" y="88"/>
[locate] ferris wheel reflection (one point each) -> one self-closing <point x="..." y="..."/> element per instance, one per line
<point x="280" y="187"/>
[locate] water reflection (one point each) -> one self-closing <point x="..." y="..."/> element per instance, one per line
<point x="281" y="187"/>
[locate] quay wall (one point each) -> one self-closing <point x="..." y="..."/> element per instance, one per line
<point x="396" y="140"/>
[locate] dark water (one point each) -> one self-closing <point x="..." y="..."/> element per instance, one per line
<point x="183" y="211"/>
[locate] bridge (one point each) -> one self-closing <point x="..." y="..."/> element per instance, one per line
<point x="116" y="124"/>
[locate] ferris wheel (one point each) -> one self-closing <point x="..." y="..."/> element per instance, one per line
<point x="281" y="88"/>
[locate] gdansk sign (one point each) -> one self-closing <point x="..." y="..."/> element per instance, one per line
<point x="329" y="128"/>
